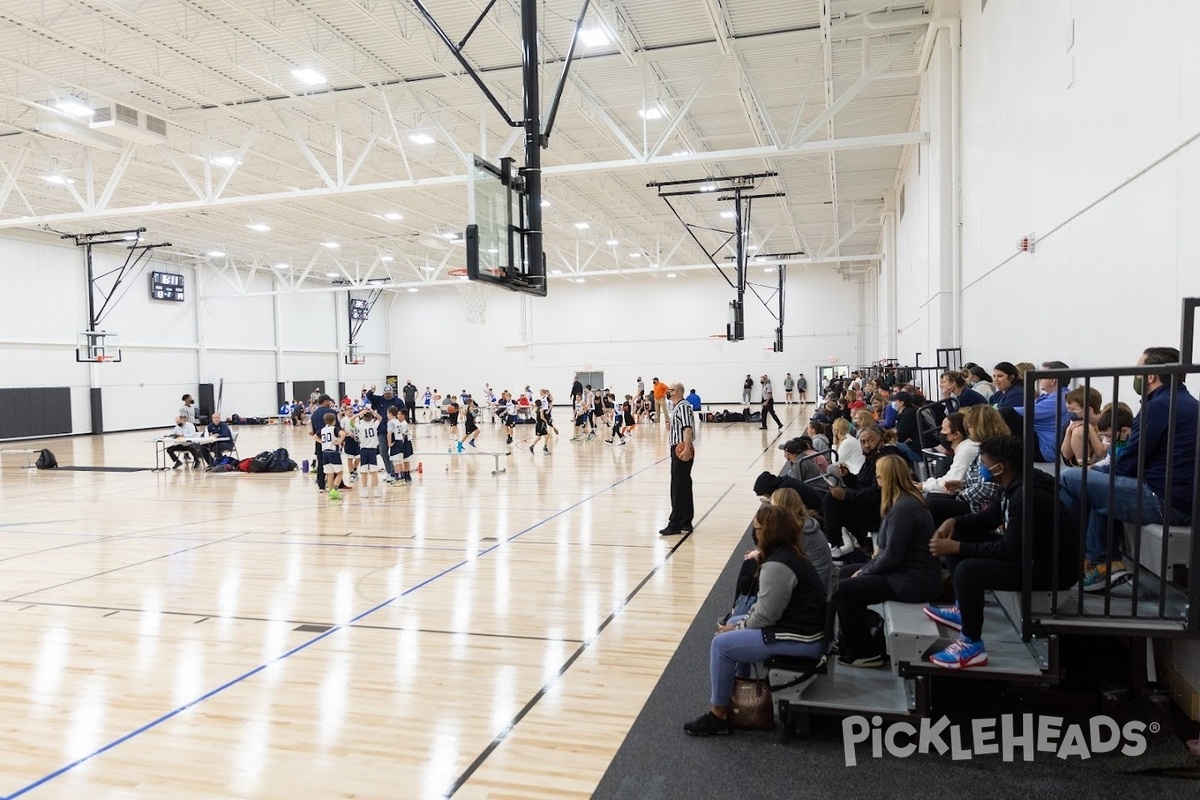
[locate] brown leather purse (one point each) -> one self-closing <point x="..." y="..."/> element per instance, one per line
<point x="750" y="707"/>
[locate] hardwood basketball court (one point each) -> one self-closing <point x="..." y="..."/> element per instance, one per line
<point x="199" y="635"/>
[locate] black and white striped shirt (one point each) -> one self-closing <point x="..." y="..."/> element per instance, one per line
<point x="681" y="417"/>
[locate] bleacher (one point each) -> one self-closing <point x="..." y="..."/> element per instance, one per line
<point x="1025" y="630"/>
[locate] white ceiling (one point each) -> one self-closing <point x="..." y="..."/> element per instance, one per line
<point x="761" y="75"/>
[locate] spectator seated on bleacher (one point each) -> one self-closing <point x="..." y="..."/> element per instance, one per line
<point x="1118" y="418"/>
<point x="975" y="490"/>
<point x="812" y="455"/>
<point x="902" y="568"/>
<point x="813" y="542"/>
<point x="849" y="451"/>
<point x="1010" y="391"/>
<point x="885" y="409"/>
<point x="797" y="468"/>
<point x="953" y="436"/>
<point x="1072" y="449"/>
<point x="787" y="619"/>
<point x="955" y="393"/>
<point x="855" y="506"/>
<point x="1050" y="416"/>
<point x="818" y="433"/>
<point x="908" y="435"/>
<point x="978" y="380"/>
<point x="1151" y="442"/>
<point x="980" y="560"/>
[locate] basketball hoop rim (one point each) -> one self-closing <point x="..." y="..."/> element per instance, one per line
<point x="457" y="273"/>
<point x="718" y="336"/>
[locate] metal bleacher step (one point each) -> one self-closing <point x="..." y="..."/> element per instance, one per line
<point x="909" y="633"/>
<point x="1156" y="611"/>
<point x="1147" y="544"/>
<point x="848" y="690"/>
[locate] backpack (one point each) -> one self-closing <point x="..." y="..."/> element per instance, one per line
<point x="244" y="464"/>
<point x="261" y="462"/>
<point x="46" y="460"/>
<point x="280" y="461"/>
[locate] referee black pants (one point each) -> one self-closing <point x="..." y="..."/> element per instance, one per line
<point x="768" y="409"/>
<point x="319" y="466"/>
<point x="682" y="508"/>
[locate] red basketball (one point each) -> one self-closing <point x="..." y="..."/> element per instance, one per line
<point x="679" y="448"/>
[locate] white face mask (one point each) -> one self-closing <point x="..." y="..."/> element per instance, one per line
<point x="895" y="404"/>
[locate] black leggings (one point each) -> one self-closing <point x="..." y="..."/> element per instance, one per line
<point x="853" y="597"/>
<point x="943" y="507"/>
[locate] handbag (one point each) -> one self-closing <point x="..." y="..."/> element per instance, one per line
<point x="750" y="706"/>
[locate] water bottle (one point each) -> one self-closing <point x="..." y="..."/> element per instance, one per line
<point x="304" y="466"/>
<point x="420" y="468"/>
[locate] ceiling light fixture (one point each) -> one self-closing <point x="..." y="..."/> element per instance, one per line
<point x="727" y="215"/>
<point x="224" y="161"/>
<point x="583" y="226"/>
<point x="679" y="153"/>
<point x="708" y="187"/>
<point x="333" y="274"/>
<point x="331" y="245"/>
<point x="545" y="204"/>
<point x="451" y="236"/>
<point x="635" y="255"/>
<point x="579" y="280"/>
<point x="421" y="138"/>
<point x="594" y="37"/>
<point x="394" y="216"/>
<point x="57" y="179"/>
<point x="670" y="274"/>
<point x="215" y="254"/>
<point x="556" y="272"/>
<point x="74" y="106"/>
<point x="412" y="289"/>
<point x="387" y="258"/>
<point x="651" y="113"/>
<point x="282" y="267"/>
<point x="309" y="76"/>
<point x="613" y="242"/>
<point x="260" y="227"/>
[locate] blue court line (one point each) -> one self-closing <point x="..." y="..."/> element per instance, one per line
<point x="305" y="645"/>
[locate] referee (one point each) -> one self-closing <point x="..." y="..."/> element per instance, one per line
<point x="682" y="433"/>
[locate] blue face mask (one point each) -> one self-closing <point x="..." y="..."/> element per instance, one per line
<point x="985" y="474"/>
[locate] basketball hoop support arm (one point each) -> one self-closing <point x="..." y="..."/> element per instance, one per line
<point x="355" y="325"/>
<point x="87" y="241"/>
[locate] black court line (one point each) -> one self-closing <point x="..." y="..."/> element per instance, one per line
<point x="533" y="701"/>
<point x="109" y="614"/>
<point x="118" y="569"/>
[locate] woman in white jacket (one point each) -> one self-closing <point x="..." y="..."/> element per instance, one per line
<point x="954" y="435"/>
<point x="849" y="451"/>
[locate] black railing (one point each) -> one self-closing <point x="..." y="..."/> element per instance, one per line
<point x="1151" y="602"/>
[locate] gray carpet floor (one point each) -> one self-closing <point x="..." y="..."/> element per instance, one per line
<point x="658" y="761"/>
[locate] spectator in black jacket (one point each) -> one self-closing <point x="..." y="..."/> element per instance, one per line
<point x="980" y="560"/>
<point x="902" y="568"/>
<point x="855" y="506"/>
<point x="788" y="618"/>
<point x="908" y="435"/>
<point x="220" y="429"/>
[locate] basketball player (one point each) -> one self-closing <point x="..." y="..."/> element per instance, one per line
<point x="541" y="427"/>
<point x="470" y="428"/>
<point x="331" y="439"/>
<point x="368" y="432"/>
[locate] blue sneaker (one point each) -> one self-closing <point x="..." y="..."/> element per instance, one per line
<point x="945" y="615"/>
<point x="963" y="653"/>
<point x="1100" y="580"/>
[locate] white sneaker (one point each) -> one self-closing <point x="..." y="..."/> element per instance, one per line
<point x="379" y="491"/>
<point x="362" y="493"/>
<point x="848" y="545"/>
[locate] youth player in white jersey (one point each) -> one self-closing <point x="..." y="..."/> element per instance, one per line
<point x="580" y="412"/>
<point x="331" y="439"/>
<point x="399" y="445"/>
<point x="368" y="431"/>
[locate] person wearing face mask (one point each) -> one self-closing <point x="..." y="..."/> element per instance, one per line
<point x="907" y="427"/>
<point x="975" y="491"/>
<point x="1079" y="429"/>
<point x="954" y="436"/>
<point x="1050" y="415"/>
<point x="1112" y="432"/>
<point x="979" y="560"/>
<point x="1151" y="447"/>
<point x="979" y="381"/>
<point x="1010" y="390"/>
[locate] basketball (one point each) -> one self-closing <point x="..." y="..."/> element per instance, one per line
<point x="679" y="448"/>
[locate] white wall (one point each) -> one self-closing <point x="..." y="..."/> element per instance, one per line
<point x="1063" y="103"/>
<point x="233" y="331"/>
<point x="647" y="326"/>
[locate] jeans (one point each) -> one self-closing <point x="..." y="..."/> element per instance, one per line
<point x="1122" y="506"/>
<point x="733" y="652"/>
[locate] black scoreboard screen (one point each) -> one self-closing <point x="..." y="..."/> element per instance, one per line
<point x="359" y="308"/>
<point x="166" y="286"/>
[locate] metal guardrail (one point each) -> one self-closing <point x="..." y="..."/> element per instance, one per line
<point x="1153" y="603"/>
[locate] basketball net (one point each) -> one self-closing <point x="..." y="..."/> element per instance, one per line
<point x="474" y="298"/>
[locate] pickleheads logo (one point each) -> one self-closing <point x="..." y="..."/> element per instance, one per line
<point x="1033" y="735"/>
